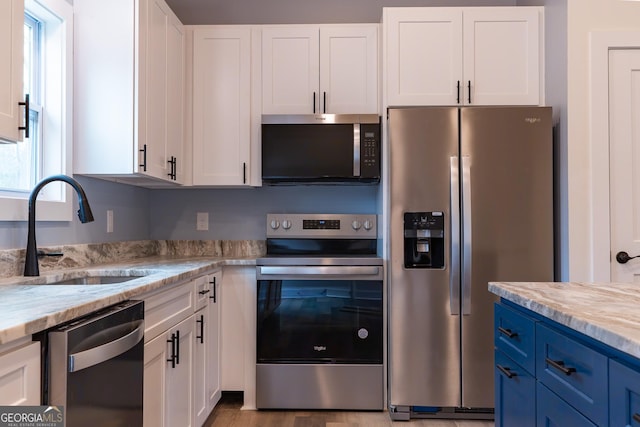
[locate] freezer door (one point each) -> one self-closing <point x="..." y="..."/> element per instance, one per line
<point x="424" y="337"/>
<point x="507" y="217"/>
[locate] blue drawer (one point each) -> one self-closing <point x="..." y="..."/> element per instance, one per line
<point x="515" y="392"/>
<point x="624" y="395"/>
<point x="575" y="372"/>
<point x="553" y="411"/>
<point x="514" y="335"/>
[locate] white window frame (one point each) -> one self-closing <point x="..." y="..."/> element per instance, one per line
<point x="55" y="201"/>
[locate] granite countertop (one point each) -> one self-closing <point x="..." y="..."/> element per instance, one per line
<point x="28" y="305"/>
<point x="607" y="312"/>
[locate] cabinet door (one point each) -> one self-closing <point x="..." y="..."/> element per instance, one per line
<point x="290" y="70"/>
<point x="221" y="106"/>
<point x="179" y="385"/>
<point x="213" y="341"/>
<point x="624" y="395"/>
<point x="515" y="394"/>
<point x="501" y="55"/>
<point x="156" y="366"/>
<point x="160" y="37"/>
<point x="200" y="398"/>
<point x="349" y="69"/>
<point x="175" y="96"/>
<point x="553" y="411"/>
<point x="423" y="55"/>
<point x="20" y="376"/>
<point x="11" y="57"/>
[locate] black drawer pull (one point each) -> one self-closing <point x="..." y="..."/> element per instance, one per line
<point x="506" y="371"/>
<point x="508" y="332"/>
<point x="203" y="292"/>
<point x="636" y="417"/>
<point x="559" y="365"/>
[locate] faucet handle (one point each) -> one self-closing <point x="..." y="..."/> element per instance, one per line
<point x="41" y="253"/>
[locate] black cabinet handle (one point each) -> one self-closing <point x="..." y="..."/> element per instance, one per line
<point x="469" y="86"/>
<point x="636" y="417"/>
<point x="458" y="92"/>
<point x="172" y="359"/>
<point x="143" y="150"/>
<point x="314" y="102"/>
<point x="213" y="297"/>
<point x="324" y="102"/>
<point x="508" y="332"/>
<point x="244" y="173"/>
<point x="177" y="347"/>
<point x="506" y="371"/>
<point x="172" y="163"/>
<point x="25" y="128"/>
<point x="205" y="291"/>
<point x="201" y="336"/>
<point x="623" y="257"/>
<point x="559" y="365"/>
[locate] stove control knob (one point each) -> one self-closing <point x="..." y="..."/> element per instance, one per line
<point x="286" y="224"/>
<point x="368" y="224"/>
<point x="356" y="225"/>
<point x="275" y="224"/>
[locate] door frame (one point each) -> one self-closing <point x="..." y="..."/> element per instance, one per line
<point x="600" y="43"/>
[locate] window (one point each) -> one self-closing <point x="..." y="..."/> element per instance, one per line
<point x="47" y="79"/>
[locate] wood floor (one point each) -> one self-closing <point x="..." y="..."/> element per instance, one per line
<point x="228" y="414"/>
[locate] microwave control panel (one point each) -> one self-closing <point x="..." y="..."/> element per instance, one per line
<point x="369" y="150"/>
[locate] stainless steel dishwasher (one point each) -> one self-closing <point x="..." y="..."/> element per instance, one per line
<point x="95" y="367"/>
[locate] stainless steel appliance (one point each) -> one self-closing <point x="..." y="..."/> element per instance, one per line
<point x="321" y="148"/>
<point x="319" y="319"/>
<point x="471" y="201"/>
<point x="95" y="367"/>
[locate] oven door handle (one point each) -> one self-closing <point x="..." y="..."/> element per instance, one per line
<point x="93" y="356"/>
<point x="323" y="270"/>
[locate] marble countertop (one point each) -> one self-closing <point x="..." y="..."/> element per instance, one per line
<point x="607" y="312"/>
<point x="28" y="305"/>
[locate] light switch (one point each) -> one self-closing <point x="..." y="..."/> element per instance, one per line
<point x="109" y="221"/>
<point x="202" y="221"/>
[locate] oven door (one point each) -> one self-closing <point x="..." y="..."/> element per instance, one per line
<point x="319" y="314"/>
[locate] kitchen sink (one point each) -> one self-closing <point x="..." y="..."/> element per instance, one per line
<point x="93" y="280"/>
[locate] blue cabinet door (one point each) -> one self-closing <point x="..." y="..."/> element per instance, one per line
<point x="624" y="395"/>
<point x="555" y="412"/>
<point x="515" y="391"/>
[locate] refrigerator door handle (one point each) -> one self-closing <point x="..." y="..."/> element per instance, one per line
<point x="466" y="235"/>
<point x="454" y="276"/>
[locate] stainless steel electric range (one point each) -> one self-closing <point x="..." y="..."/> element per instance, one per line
<point x="319" y="314"/>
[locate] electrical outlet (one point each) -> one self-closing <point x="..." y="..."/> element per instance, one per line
<point x="202" y="221"/>
<point x="109" y="221"/>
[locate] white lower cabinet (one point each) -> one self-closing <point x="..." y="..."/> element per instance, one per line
<point x="181" y="353"/>
<point x="20" y="374"/>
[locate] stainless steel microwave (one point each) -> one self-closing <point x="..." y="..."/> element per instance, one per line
<point x="321" y="148"/>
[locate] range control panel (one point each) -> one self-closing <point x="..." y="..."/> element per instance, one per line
<point x="308" y="226"/>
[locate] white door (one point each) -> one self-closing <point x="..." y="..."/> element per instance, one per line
<point x="624" y="167"/>
<point x="11" y="41"/>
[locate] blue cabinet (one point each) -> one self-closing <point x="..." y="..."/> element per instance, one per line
<point x="624" y="395"/>
<point x="549" y="375"/>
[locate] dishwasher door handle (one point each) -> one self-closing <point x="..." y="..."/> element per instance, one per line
<point x="93" y="356"/>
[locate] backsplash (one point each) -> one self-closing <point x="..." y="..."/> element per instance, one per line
<point x="83" y="255"/>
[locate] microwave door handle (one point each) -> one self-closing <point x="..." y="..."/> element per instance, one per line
<point x="356" y="149"/>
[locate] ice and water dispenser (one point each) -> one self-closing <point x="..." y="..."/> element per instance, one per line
<point x="424" y="240"/>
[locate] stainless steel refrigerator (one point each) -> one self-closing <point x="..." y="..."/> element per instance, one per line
<point x="471" y="201"/>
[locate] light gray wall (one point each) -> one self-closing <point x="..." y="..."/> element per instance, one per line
<point x="130" y="206"/>
<point x="194" y="12"/>
<point x="241" y="213"/>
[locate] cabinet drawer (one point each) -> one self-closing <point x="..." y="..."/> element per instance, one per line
<point x="575" y="372"/>
<point x="514" y="335"/>
<point x="553" y="411"/>
<point x="202" y="292"/>
<point x="515" y="392"/>
<point x="624" y="395"/>
<point x="166" y="308"/>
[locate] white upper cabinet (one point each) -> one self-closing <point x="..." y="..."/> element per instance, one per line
<point x="129" y="91"/>
<point x="309" y="69"/>
<point x="463" y="56"/>
<point x="221" y="105"/>
<point x="11" y="57"/>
